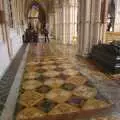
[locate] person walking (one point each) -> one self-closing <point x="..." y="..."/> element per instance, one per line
<point x="46" y="33"/>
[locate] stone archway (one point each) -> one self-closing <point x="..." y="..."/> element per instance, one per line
<point x="38" y="19"/>
<point x="42" y="13"/>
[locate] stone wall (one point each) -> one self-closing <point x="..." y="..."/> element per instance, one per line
<point x="117" y="16"/>
<point x="110" y="36"/>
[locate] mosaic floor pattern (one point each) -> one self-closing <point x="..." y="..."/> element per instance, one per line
<point x="53" y="89"/>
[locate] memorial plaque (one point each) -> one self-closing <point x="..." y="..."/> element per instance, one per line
<point x="2" y="17"/>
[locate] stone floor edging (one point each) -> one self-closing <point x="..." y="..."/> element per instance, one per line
<point x="10" y="104"/>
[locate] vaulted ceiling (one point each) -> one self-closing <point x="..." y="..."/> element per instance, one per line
<point x="21" y="8"/>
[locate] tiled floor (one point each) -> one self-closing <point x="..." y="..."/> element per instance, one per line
<point x="58" y="86"/>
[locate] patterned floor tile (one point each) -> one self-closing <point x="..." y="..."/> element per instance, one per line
<point x="105" y="118"/>
<point x="31" y="69"/>
<point x="43" y="89"/>
<point x="94" y="104"/>
<point x="68" y="86"/>
<point x="31" y="84"/>
<point x="85" y="92"/>
<point x="70" y="72"/>
<point x="33" y="63"/>
<point x="99" y="76"/>
<point x="77" y="80"/>
<point x="30" y="114"/>
<point x="54" y="82"/>
<point x="48" y="67"/>
<point x="63" y="76"/>
<point x="65" y="66"/>
<point x="59" y="69"/>
<point x="46" y="105"/>
<point x="76" y="101"/>
<point x="62" y="109"/>
<point x="58" y="95"/>
<point x="30" y="98"/>
<point x="47" y="62"/>
<point x="40" y="70"/>
<point x="31" y="75"/>
<point x="51" y="74"/>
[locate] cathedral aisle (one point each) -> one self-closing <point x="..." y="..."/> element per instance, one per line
<point x="58" y="86"/>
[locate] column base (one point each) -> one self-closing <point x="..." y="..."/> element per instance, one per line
<point x="82" y="55"/>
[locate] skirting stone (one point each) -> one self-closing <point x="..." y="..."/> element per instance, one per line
<point x="10" y="104"/>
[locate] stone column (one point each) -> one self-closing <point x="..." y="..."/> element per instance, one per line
<point x="117" y="17"/>
<point x="5" y="27"/>
<point x="86" y="27"/>
<point x="58" y="22"/>
<point x="106" y="2"/>
<point x="54" y="25"/>
<point x="15" y="13"/>
<point x="75" y="25"/>
<point x="73" y="21"/>
<point x="68" y="39"/>
<point x="92" y="22"/>
<point x="56" y="18"/>
<point x="2" y="36"/>
<point x="51" y="23"/>
<point x="97" y="24"/>
<point x="80" y="26"/>
<point x="58" y="25"/>
<point x="61" y="24"/>
<point x="66" y="22"/>
<point x="71" y="11"/>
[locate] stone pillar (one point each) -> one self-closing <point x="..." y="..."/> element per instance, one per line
<point x="80" y="26"/>
<point x="66" y="23"/>
<point x="86" y="27"/>
<point x="15" y="13"/>
<point x="51" y="23"/>
<point x="104" y="27"/>
<point x="54" y="25"/>
<point x="84" y="34"/>
<point x="97" y="24"/>
<point x="92" y="23"/>
<point x="2" y="35"/>
<point x="56" y="22"/>
<point x="5" y="27"/>
<point x="61" y="24"/>
<point x="73" y="20"/>
<point x="117" y="17"/>
<point x="66" y="20"/>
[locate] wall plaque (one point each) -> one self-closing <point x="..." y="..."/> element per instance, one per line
<point x="2" y="17"/>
